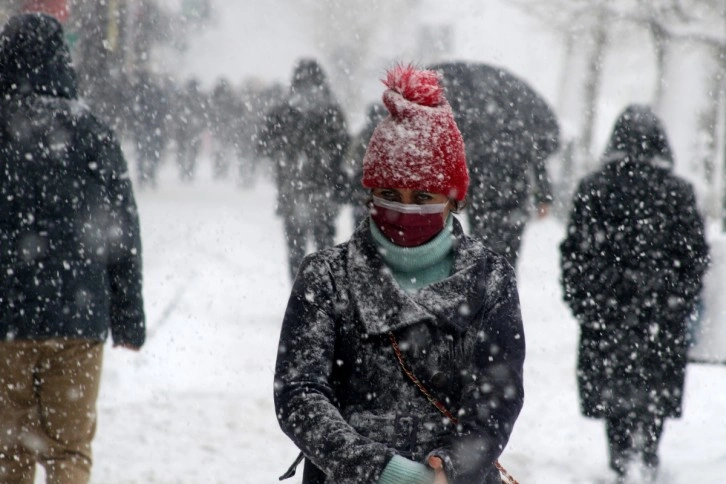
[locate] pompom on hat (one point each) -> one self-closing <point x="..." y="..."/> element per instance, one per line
<point x="418" y="146"/>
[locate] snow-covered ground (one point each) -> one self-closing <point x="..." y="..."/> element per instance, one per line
<point x="195" y="405"/>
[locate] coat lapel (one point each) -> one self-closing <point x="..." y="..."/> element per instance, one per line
<point x="456" y="300"/>
<point x="383" y="306"/>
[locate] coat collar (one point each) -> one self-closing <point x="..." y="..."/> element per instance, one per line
<point x="383" y="306"/>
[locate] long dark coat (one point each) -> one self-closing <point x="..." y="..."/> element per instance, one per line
<point x="509" y="132"/>
<point x="632" y="265"/>
<point x="70" y="252"/>
<point x="340" y="393"/>
<point x="307" y="137"/>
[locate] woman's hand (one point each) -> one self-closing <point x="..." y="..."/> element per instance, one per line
<point x="437" y="465"/>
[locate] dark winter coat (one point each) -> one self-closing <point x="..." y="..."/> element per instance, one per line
<point x="70" y="253"/>
<point x="632" y="265"/>
<point x="509" y="131"/>
<point x="358" y="195"/>
<point x="150" y="109"/>
<point x="340" y="393"/>
<point x="375" y="113"/>
<point x="307" y="136"/>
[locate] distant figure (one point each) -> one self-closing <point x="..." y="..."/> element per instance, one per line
<point x="510" y="132"/>
<point x="150" y="107"/>
<point x="189" y="125"/>
<point x="226" y="116"/>
<point x="359" y="196"/>
<point x="307" y="138"/>
<point x="632" y="265"/>
<point x="70" y="257"/>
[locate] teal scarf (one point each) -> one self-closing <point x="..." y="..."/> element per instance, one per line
<point x="416" y="267"/>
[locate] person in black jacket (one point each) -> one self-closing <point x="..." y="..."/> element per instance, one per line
<point x="632" y="268"/>
<point x="70" y="257"/>
<point x="510" y="134"/>
<point x="307" y="138"/>
<point x="357" y="195"/>
<point x="189" y="125"/>
<point x="150" y="108"/>
<point x="408" y="284"/>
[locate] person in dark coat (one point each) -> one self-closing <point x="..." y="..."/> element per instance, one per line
<point x="150" y="108"/>
<point x="226" y="114"/>
<point x="408" y="284"/>
<point x="70" y="257"/>
<point x="632" y="268"/>
<point x="510" y="133"/>
<point x="358" y="196"/>
<point x="189" y="126"/>
<point x="307" y="137"/>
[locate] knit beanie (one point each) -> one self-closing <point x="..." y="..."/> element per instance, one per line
<point x="418" y="146"/>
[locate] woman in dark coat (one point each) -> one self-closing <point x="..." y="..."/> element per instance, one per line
<point x="408" y="279"/>
<point x="632" y="265"/>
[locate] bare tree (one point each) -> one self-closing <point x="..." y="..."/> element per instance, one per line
<point x="671" y="25"/>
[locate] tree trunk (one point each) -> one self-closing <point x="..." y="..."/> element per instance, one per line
<point x="592" y="84"/>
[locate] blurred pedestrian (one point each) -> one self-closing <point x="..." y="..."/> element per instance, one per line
<point x="307" y="138"/>
<point x="150" y="108"/>
<point x="358" y="196"/>
<point x="401" y="351"/>
<point x="632" y="268"/>
<point x="70" y="257"/>
<point x="226" y="116"/>
<point x="189" y="125"/>
<point x="510" y="133"/>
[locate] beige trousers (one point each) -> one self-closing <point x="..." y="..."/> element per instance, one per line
<point x="48" y="392"/>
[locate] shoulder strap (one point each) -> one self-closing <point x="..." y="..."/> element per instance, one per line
<point x="507" y="478"/>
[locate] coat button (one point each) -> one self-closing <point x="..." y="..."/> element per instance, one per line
<point x="439" y="380"/>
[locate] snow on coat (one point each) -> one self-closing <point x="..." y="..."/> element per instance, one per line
<point x="340" y="394"/>
<point x="70" y="250"/>
<point x="632" y="268"/>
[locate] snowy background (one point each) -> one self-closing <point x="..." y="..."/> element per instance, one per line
<point x="195" y="405"/>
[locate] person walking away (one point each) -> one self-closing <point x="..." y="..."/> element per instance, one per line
<point x="70" y="257"/>
<point x="409" y="297"/>
<point x="189" y="126"/>
<point x="357" y="195"/>
<point x="150" y="133"/>
<point x="510" y="133"/>
<point x="307" y="137"/>
<point x="226" y="112"/>
<point x="632" y="265"/>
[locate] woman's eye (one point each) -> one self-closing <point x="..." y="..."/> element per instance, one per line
<point x="423" y="198"/>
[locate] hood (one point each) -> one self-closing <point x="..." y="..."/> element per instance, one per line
<point x="35" y="59"/>
<point x="309" y="88"/>
<point x="639" y="135"/>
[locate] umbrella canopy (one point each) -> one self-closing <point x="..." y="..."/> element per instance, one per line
<point x="491" y="103"/>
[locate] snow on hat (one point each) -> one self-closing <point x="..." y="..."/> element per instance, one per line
<point x="419" y="145"/>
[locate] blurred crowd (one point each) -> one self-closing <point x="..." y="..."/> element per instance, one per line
<point x="162" y="120"/>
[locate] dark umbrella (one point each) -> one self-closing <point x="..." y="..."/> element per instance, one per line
<point x="491" y="104"/>
<point x="509" y="132"/>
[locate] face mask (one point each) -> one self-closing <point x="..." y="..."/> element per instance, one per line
<point x="408" y="225"/>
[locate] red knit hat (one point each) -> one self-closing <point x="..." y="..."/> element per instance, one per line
<point x="419" y="145"/>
